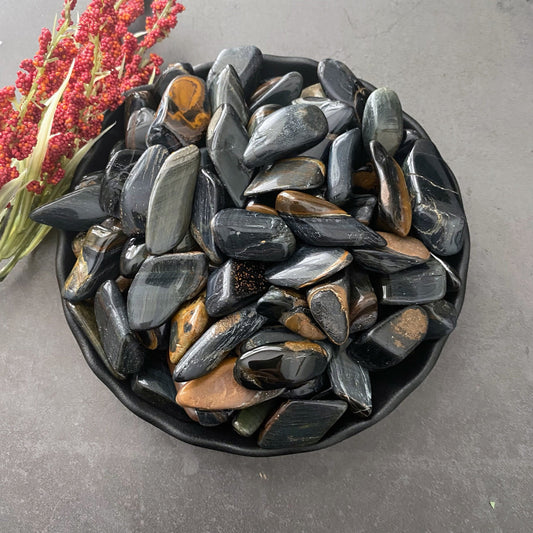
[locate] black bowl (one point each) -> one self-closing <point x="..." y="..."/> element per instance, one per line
<point x="389" y="388"/>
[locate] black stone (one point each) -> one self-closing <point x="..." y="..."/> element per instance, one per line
<point x="362" y="207"/>
<point x="124" y="352"/>
<point x="158" y="133"/>
<point x="288" y="131"/>
<point x="94" y="178"/>
<point x="337" y="80"/>
<point x="269" y="335"/>
<point x="308" y="390"/>
<point x="136" y="99"/>
<point x="132" y="256"/>
<point x="248" y="235"/>
<point x="226" y="88"/>
<point x="233" y="285"/>
<point x="213" y="346"/>
<point x="453" y="280"/>
<point x="75" y="211"/>
<point x="169" y="74"/>
<point x="438" y="217"/>
<point x="340" y="116"/>
<point x="442" y="317"/>
<point x="275" y="366"/>
<point x="137" y="128"/>
<point x="363" y="301"/>
<point x="282" y="92"/>
<point x="212" y="418"/>
<point x="408" y="141"/>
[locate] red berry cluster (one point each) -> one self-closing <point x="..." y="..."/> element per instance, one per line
<point x="106" y="60"/>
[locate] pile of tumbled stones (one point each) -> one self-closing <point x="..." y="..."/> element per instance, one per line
<point x="255" y="247"/>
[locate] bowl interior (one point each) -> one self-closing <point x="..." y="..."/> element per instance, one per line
<point x="389" y="387"/>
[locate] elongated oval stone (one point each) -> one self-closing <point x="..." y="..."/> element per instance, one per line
<point x="247" y="62"/>
<point x="234" y="285"/>
<point x="438" y="217"/>
<point x="226" y="143"/>
<point x="218" y="390"/>
<point x="169" y="74"/>
<point x="329" y="305"/>
<point x="275" y="366"/>
<point x="320" y="223"/>
<point x="383" y="120"/>
<point x="132" y="256"/>
<point x="351" y="382"/>
<point x="337" y="80"/>
<point x="290" y="309"/>
<point x="252" y="236"/>
<point x="256" y="207"/>
<point x="363" y="301"/>
<point x="98" y="261"/>
<point x="171" y="198"/>
<point x="442" y="316"/>
<point x="399" y="253"/>
<point x="390" y="341"/>
<point x="226" y="88"/>
<point x="300" y="423"/>
<point x="162" y="284"/>
<point x="213" y="346"/>
<point x="259" y="115"/>
<point x="123" y="351"/>
<point x="137" y="128"/>
<point x="285" y="132"/>
<point x="341" y="159"/>
<point x="296" y="173"/>
<point x="209" y="199"/>
<point x="117" y="170"/>
<point x="307" y="266"/>
<point x="394" y="204"/>
<point x="340" y="116"/>
<point x="137" y="188"/>
<point x="269" y="335"/>
<point x="184" y="109"/>
<point x="282" y="92"/>
<point x="187" y="326"/>
<point x="247" y="421"/>
<point x="416" y="285"/>
<point x="362" y="207"/>
<point x="75" y="211"/>
<point x="453" y="280"/>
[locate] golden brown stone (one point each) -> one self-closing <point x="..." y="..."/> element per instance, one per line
<point x="123" y="283"/>
<point x="301" y="204"/>
<point x="187" y="326"/>
<point x="366" y="178"/>
<point x="406" y="245"/>
<point x="252" y="205"/>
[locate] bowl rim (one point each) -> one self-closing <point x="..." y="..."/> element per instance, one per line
<point x="190" y="432"/>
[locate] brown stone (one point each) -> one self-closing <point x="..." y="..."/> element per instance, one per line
<point x="301" y="204"/>
<point x="253" y="205"/>
<point x="366" y="179"/>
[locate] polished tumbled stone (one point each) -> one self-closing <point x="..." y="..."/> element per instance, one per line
<point x="269" y="335"/>
<point x="247" y="421"/>
<point x="132" y="256"/>
<point x="337" y="80"/>
<point x="259" y="115"/>
<point x="226" y="88"/>
<point x="227" y="141"/>
<point x="453" y="279"/>
<point x="383" y="120"/>
<point x="282" y="92"/>
<point x="438" y="217"/>
<point x="363" y="301"/>
<point x="442" y="317"/>
<point x="162" y="284"/>
<point x="285" y="132"/>
<point x="171" y="199"/>
<point x="137" y="128"/>
<point x="169" y="74"/>
<point x="362" y="207"/>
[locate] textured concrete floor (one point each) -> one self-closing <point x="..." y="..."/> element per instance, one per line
<point x="74" y="459"/>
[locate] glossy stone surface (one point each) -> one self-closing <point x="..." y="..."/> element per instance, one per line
<point x="307" y="266"/>
<point x="187" y="326"/>
<point x="247" y="62"/>
<point x="159" y="133"/>
<point x="438" y="218"/>
<point x="77" y="243"/>
<point x="394" y="204"/>
<point x="329" y="305"/>
<point x="359" y="101"/>
<point x="337" y="80"/>
<point x="169" y="74"/>
<point x="281" y="92"/>
<point x="365" y="179"/>
<point x="162" y="284"/>
<point x="300" y="423"/>
<point x="390" y="341"/>
<point x="211" y="418"/>
<point x="137" y="128"/>
<point x="259" y="115"/>
<point x="285" y="132"/>
<point x="363" y="301"/>
<point x="291" y="310"/>
<point x="184" y="109"/>
<point x="362" y="207"/>
<point x="313" y="91"/>
<point x="383" y="120"/>
<point x="275" y="366"/>
<point x="320" y="223"/>
<point x="226" y="88"/>
<point x="351" y="382"/>
<point x="269" y="335"/>
<point x="226" y="142"/>
<point x="94" y="178"/>
<point x="155" y="338"/>
<point x="234" y="285"/>
<point x="132" y="256"/>
<point x="137" y="188"/>
<point x="247" y="421"/>
<point x="75" y="211"/>
<point x="124" y="352"/>
<point x="340" y="116"/>
<point x="309" y="389"/>
<point x="248" y="235"/>
<point x="138" y="98"/>
<point x="117" y="170"/>
<point x="399" y="253"/>
<point x="442" y="317"/>
<point x="453" y="280"/>
<point x="213" y="346"/>
<point x="171" y="199"/>
<point x="256" y="207"/>
<point x="296" y="173"/>
<point x="408" y="141"/>
<point x="341" y="159"/>
<point x="416" y="285"/>
<point x="209" y="199"/>
<point x="218" y="390"/>
<point x="98" y="261"/>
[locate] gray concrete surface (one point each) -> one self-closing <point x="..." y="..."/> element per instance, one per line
<point x="74" y="459"/>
